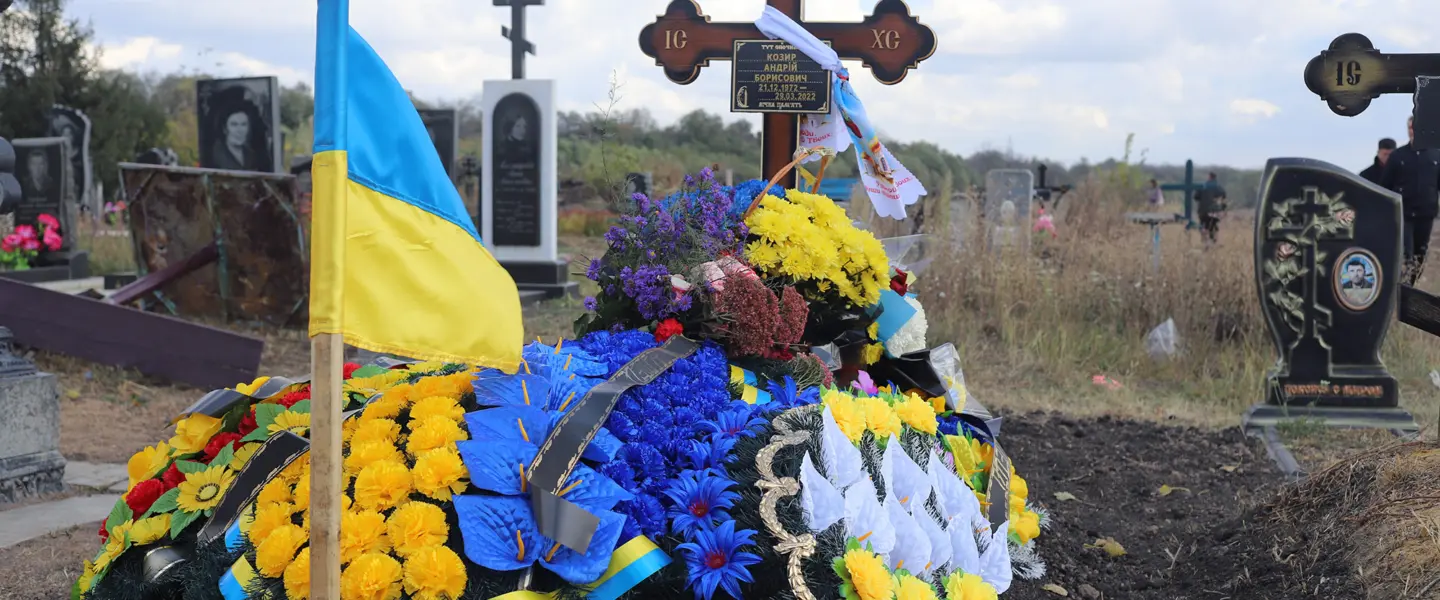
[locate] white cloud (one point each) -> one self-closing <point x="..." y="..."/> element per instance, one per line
<point x="1253" y="107"/>
<point x="138" y="52"/>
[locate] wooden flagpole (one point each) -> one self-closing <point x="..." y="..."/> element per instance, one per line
<point x="327" y="353"/>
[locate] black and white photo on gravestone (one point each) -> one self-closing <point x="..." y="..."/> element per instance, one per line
<point x="43" y="174"/>
<point x="444" y="128"/>
<point x="74" y="126"/>
<point x="1007" y="207"/>
<point x="237" y="120"/>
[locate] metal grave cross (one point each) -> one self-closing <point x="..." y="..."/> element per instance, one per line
<point x="519" y="46"/>
<point x="1352" y="72"/>
<point x="1306" y="233"/>
<point x="890" y="42"/>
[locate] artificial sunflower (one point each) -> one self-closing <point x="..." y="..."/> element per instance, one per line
<point x="87" y="577"/>
<point x="150" y="530"/>
<point x="383" y="485"/>
<point x="147" y="463"/>
<point x="243" y="452"/>
<point x="274" y="553"/>
<point x="292" y="421"/>
<point x="297" y="576"/>
<point x="440" y="473"/>
<point x="416" y="525"/>
<point x="373" y="576"/>
<point x="362" y="531"/>
<point x="109" y="552"/>
<point x="192" y="434"/>
<point x="434" y="573"/>
<point x="202" y="490"/>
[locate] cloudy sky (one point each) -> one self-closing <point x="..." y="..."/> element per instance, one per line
<point x="1217" y="81"/>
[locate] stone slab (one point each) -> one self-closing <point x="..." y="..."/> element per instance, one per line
<point x="31" y="476"/>
<point x="29" y="415"/>
<point x="36" y="520"/>
<point x="95" y="475"/>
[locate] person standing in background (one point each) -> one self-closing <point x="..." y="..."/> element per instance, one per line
<point x="1154" y="195"/>
<point x="1373" y="172"/>
<point x="1415" y="175"/>
<point x="1210" y="204"/>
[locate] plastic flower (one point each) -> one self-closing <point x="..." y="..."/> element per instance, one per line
<point x="202" y="490"/>
<point x="864" y="574"/>
<point x="294" y="422"/>
<point x="217" y="444"/>
<point x="269" y="517"/>
<point x="434" y="573"/>
<point x="699" y="501"/>
<point x="385" y="407"/>
<point x="150" y="530"/>
<point x="297" y="576"/>
<point x="415" y="526"/>
<point x="249" y="389"/>
<point x="275" y="552"/>
<point x="739" y="421"/>
<point x="373" y="576"/>
<point x="968" y="586"/>
<point x="847" y="413"/>
<point x="87" y="573"/>
<point x="436" y="406"/>
<point x="147" y="463"/>
<point x="917" y="413"/>
<point x="192" y="434"/>
<point x="440" y="473"/>
<point x="382" y="485"/>
<point x="439" y="387"/>
<point x="275" y="491"/>
<point x="364" y="454"/>
<point x="143" y="495"/>
<point x="714" y="560"/>
<point x="110" y="551"/>
<point x="297" y="469"/>
<point x="1027" y="527"/>
<point x="361" y="532"/>
<point x="302" y="492"/>
<point x="908" y="587"/>
<point x="434" y="432"/>
<point x="879" y="417"/>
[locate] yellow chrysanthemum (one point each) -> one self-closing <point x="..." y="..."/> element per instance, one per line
<point x="297" y="576"/>
<point x="917" y="413"/>
<point x="434" y="387"/>
<point x="297" y="469"/>
<point x="402" y="394"/>
<point x="361" y="532"/>
<point x="879" y="417"/>
<point x="416" y="525"/>
<point x="868" y="575"/>
<point x="383" y="485"/>
<point x="376" y="430"/>
<point x="347" y="429"/>
<point x="434" y="573"/>
<point x="434" y="432"/>
<point x="364" y="454"/>
<point x="440" y="473"/>
<point x="276" y="551"/>
<point x="372" y="576"/>
<point x="294" y="422"/>
<point x="243" y="454"/>
<point x="436" y="406"/>
<point x="269" y="517"/>
<point x="150" y="530"/>
<point x="873" y="331"/>
<point x="968" y="586"/>
<point x="202" y="490"/>
<point x="847" y="413"/>
<point x="249" y="389"/>
<point x="148" y="463"/>
<point x="908" y="587"/>
<point x="385" y="407"/>
<point x="277" y="490"/>
<point x="192" y="433"/>
<point x="872" y="353"/>
<point x="302" y="493"/>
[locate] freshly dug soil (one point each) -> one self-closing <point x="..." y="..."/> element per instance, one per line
<point x="1180" y="501"/>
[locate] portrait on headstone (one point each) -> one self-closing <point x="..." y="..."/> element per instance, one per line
<point x="74" y="126"/>
<point x="41" y="168"/>
<point x="237" y="119"/>
<point x="444" y="130"/>
<point x="1357" y="279"/>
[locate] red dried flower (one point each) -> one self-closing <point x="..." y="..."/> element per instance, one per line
<point x="349" y="369"/>
<point x="667" y="329"/>
<point x="143" y="495"/>
<point x="248" y="424"/>
<point x="291" y="398"/>
<point x="898" y="283"/>
<point x="172" y="477"/>
<point x="753" y="313"/>
<point x="218" y="443"/>
<point x="794" y="312"/>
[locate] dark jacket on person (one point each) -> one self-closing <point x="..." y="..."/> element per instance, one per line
<point x="1210" y="198"/>
<point x="1373" y="172"/>
<point x="1415" y="175"/>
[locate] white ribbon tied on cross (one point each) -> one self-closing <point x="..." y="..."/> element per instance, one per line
<point x="890" y="186"/>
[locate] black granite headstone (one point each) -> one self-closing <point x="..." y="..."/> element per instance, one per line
<point x="1427" y="113"/>
<point x="515" y="162"/>
<point x="74" y="126"/>
<point x="43" y="171"/>
<point x="637" y="183"/>
<point x="444" y="130"/>
<point x="1327" y="257"/>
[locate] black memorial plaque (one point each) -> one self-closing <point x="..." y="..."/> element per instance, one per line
<point x="444" y="130"/>
<point x="1327" y="257"/>
<point x="773" y="76"/>
<point x="515" y="162"/>
<point x="42" y="167"/>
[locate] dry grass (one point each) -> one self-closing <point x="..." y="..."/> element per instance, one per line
<point x="109" y="246"/>
<point x="46" y="568"/>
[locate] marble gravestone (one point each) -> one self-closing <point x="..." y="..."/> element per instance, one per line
<point x="518" y="185"/>
<point x="1007" y="207"/>
<point x="1327" y="265"/>
<point x="444" y="129"/>
<point x="30" y="460"/>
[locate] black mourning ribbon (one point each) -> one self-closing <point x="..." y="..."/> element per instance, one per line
<point x="218" y="402"/>
<point x="558" y="518"/>
<point x="277" y="452"/>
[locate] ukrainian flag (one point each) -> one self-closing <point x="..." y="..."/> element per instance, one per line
<point x="396" y="265"/>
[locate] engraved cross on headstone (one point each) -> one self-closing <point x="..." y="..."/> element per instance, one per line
<point x="1310" y="348"/>
<point x="516" y="34"/>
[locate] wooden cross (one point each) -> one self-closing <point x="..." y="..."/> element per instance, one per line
<point x="890" y="42"/>
<point x="516" y="34"/>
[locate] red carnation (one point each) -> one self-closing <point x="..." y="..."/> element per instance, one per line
<point x="104" y="533"/>
<point x="667" y="329"/>
<point x="25" y="232"/>
<point x="349" y="370"/>
<point x="248" y="424"/>
<point x="143" y="495"/>
<point x="172" y="477"/>
<point x="48" y="220"/>
<point x="291" y="398"/>
<point x="218" y="443"/>
<point x="897" y="283"/>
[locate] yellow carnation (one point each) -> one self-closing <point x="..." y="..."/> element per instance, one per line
<point x="147" y="463"/>
<point x="434" y="432"/>
<point x="917" y="413"/>
<point x="868" y="575"/>
<point x="192" y="433"/>
<point x="302" y="493"/>
<point x="908" y="587"/>
<point x="297" y="576"/>
<point x="373" y="576"/>
<point x="440" y="473"/>
<point x="434" y="387"/>
<point x="249" y="389"/>
<point x="968" y="586"/>
<point x="297" y="469"/>
<point x="434" y="573"/>
<point x="347" y="429"/>
<point x="879" y="417"/>
<point x="361" y="532"/>
<point x="416" y="525"/>
<point x="277" y="490"/>
<point x="376" y="430"/>
<point x="275" y="552"/>
<point x="294" y="422"/>
<point x="847" y="413"/>
<point x="202" y="490"/>
<point x="150" y="530"/>
<point x="402" y="394"/>
<point x="243" y="454"/>
<point x="382" y="485"/>
<point x="268" y="518"/>
<point x="384" y="407"/>
<point x="436" y="406"/>
<point x="364" y="454"/>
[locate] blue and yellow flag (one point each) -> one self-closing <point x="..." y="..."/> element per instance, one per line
<point x="396" y="265"/>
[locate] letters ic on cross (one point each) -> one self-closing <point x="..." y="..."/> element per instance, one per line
<point x="1351" y="73"/>
<point x="890" y="42"/>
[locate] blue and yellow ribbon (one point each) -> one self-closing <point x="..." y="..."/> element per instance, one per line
<point x="237" y="580"/>
<point x="748" y="382"/>
<point x="237" y="532"/>
<point x="632" y="563"/>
